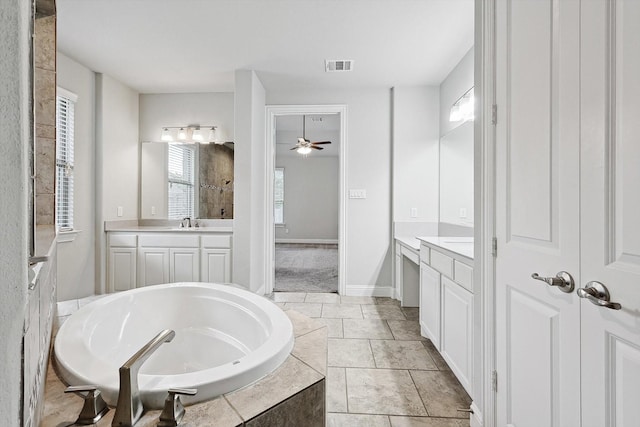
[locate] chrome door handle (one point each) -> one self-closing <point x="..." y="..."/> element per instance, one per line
<point x="598" y="294"/>
<point x="563" y="281"/>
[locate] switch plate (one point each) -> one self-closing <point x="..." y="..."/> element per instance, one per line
<point x="120" y="211"/>
<point x="463" y="212"/>
<point x="357" y="194"/>
<point x="414" y="212"/>
<point x="153" y="210"/>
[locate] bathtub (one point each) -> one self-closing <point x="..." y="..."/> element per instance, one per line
<point x="226" y="338"/>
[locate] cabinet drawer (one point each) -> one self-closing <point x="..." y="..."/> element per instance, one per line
<point x="463" y="275"/>
<point x="123" y="240"/>
<point x="442" y="263"/>
<point x="167" y="240"/>
<point x="216" y="241"/>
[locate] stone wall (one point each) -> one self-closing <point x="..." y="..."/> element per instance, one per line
<point x="216" y="181"/>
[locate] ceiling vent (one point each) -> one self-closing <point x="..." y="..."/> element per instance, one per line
<point x="338" y="65"/>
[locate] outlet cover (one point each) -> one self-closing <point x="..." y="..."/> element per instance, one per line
<point x="357" y="194"/>
<point x="414" y="212"/>
<point x="463" y="212"/>
<point x="120" y="211"/>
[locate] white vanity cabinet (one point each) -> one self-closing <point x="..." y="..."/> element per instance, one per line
<point x="446" y="307"/>
<point x="216" y="259"/>
<point x="121" y="268"/>
<point x="168" y="257"/>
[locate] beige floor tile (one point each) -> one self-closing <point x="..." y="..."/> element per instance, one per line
<point x="344" y="299"/>
<point x="342" y="311"/>
<point x="366" y="328"/>
<point x="382" y="311"/>
<point x="334" y="327"/>
<point x="357" y="420"/>
<point x="411" y="313"/>
<point x="349" y="353"/>
<point x="436" y="356"/>
<point x="401" y="355"/>
<point x="321" y="297"/>
<point x="288" y="296"/>
<point x="387" y="300"/>
<point x="427" y="422"/>
<point x="336" y="390"/>
<point x="441" y="393"/>
<point x="302" y="324"/>
<point x="406" y="330"/>
<point x="383" y="391"/>
<point x="308" y="349"/>
<point x="308" y="309"/>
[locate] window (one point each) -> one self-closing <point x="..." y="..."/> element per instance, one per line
<point x="181" y="196"/>
<point x="278" y="191"/>
<point x="65" y="106"/>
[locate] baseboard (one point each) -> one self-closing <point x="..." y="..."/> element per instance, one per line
<point x="310" y="241"/>
<point x="476" y="416"/>
<point x="371" y="291"/>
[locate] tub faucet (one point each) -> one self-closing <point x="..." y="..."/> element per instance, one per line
<point x="129" y="408"/>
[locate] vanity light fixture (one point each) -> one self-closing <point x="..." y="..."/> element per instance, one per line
<point x="196" y="135"/>
<point x="182" y="134"/>
<point x="166" y="135"/>
<point x="192" y="134"/>
<point x="463" y="108"/>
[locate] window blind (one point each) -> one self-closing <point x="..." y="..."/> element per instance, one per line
<point x="65" y="107"/>
<point x="181" y="197"/>
<point x="278" y="196"/>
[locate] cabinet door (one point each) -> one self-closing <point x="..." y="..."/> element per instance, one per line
<point x="430" y="304"/>
<point x="456" y="340"/>
<point x="216" y="265"/>
<point x="184" y="265"/>
<point x="153" y="266"/>
<point x="122" y="269"/>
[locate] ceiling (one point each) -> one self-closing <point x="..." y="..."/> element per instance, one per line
<point x="171" y="46"/>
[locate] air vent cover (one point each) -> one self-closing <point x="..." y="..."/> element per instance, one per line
<point x="333" y="65"/>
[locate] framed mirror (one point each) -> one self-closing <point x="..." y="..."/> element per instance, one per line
<point x="456" y="175"/>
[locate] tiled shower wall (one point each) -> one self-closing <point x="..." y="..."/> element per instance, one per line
<point x="216" y="181"/>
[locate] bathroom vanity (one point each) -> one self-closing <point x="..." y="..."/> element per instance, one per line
<point x="147" y="255"/>
<point x="446" y="301"/>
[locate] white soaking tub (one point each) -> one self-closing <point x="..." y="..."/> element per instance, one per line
<point x="226" y="338"/>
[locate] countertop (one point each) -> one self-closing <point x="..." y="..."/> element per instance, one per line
<point x="168" y="229"/>
<point x="409" y="241"/>
<point x="457" y="245"/>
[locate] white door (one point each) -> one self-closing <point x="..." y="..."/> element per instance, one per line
<point x="184" y="265"/>
<point x="537" y="212"/>
<point x="122" y="269"/>
<point x="610" y="211"/>
<point x="153" y="266"/>
<point x="216" y="265"/>
<point x="430" y="303"/>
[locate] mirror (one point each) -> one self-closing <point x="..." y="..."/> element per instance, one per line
<point x="179" y="180"/>
<point x="456" y="175"/>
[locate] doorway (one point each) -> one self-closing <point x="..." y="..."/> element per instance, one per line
<point x="305" y="242"/>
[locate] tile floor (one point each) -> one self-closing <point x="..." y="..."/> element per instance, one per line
<point x="381" y="372"/>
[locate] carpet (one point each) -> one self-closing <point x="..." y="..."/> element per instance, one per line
<point x="306" y="268"/>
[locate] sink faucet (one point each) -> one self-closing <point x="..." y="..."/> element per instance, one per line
<point x="129" y="408"/>
<point x="188" y="222"/>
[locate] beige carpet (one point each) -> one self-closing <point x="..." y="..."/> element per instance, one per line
<point x="306" y="268"/>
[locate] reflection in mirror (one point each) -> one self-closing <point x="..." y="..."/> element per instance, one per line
<point x="180" y="180"/>
<point x="456" y="176"/>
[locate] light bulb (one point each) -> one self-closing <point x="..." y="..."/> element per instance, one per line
<point x="166" y="135"/>
<point x="182" y="134"/>
<point x="304" y="150"/>
<point x="212" y="135"/>
<point x="197" y="135"/>
<point x="455" y="115"/>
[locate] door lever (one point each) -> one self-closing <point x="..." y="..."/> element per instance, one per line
<point x="562" y="281"/>
<point x="598" y="294"/>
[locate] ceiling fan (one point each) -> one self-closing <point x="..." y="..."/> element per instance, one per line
<point x="304" y="146"/>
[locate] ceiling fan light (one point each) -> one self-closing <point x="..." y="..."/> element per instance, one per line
<point x="304" y="150"/>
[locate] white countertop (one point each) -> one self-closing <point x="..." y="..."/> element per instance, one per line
<point x="409" y="241"/>
<point x="168" y="228"/>
<point x="458" y="245"/>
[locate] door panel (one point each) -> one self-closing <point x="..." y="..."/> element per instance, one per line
<point x="537" y="211"/>
<point x="610" y="203"/>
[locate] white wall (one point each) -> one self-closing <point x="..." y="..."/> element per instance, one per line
<point x="158" y="110"/>
<point x="416" y="130"/>
<point x="459" y="80"/>
<point x="15" y="95"/>
<point x="368" y="167"/>
<point x="311" y="195"/>
<point x="249" y="259"/>
<point x="76" y="259"/>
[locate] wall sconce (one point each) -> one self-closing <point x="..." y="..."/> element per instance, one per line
<point x="463" y="108"/>
<point x="193" y="134"/>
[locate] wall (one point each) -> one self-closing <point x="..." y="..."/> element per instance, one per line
<point x="368" y="221"/>
<point x="416" y="131"/>
<point x="249" y="258"/>
<point x="158" y="110"/>
<point x="311" y="195"/>
<point x="459" y="80"/>
<point x="76" y="259"/>
<point x="15" y="123"/>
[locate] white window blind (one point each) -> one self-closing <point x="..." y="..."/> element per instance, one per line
<point x="65" y="105"/>
<point x="181" y="165"/>
<point x="278" y="192"/>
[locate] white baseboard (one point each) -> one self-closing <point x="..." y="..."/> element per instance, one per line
<point x="310" y="241"/>
<point x="370" y="291"/>
<point x="476" y="417"/>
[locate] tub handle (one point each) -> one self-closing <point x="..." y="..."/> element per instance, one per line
<point x="173" y="411"/>
<point x="94" y="407"/>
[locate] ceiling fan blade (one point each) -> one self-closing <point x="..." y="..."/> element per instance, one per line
<point x="316" y="148"/>
<point x="322" y="142"/>
<point x="294" y="148"/>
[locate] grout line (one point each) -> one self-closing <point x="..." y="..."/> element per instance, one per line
<point x="346" y="389"/>
<point x="373" y="355"/>
<point x="418" y="391"/>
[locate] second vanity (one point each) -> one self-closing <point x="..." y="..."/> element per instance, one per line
<point x="147" y="255"/>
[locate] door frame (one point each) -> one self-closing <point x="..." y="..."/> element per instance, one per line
<point x="273" y="111"/>
<point x="485" y="379"/>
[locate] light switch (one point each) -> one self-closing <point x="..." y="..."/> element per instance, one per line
<point x="357" y="194"/>
<point x="153" y="210"/>
<point x="120" y="211"/>
<point x="414" y="212"/>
